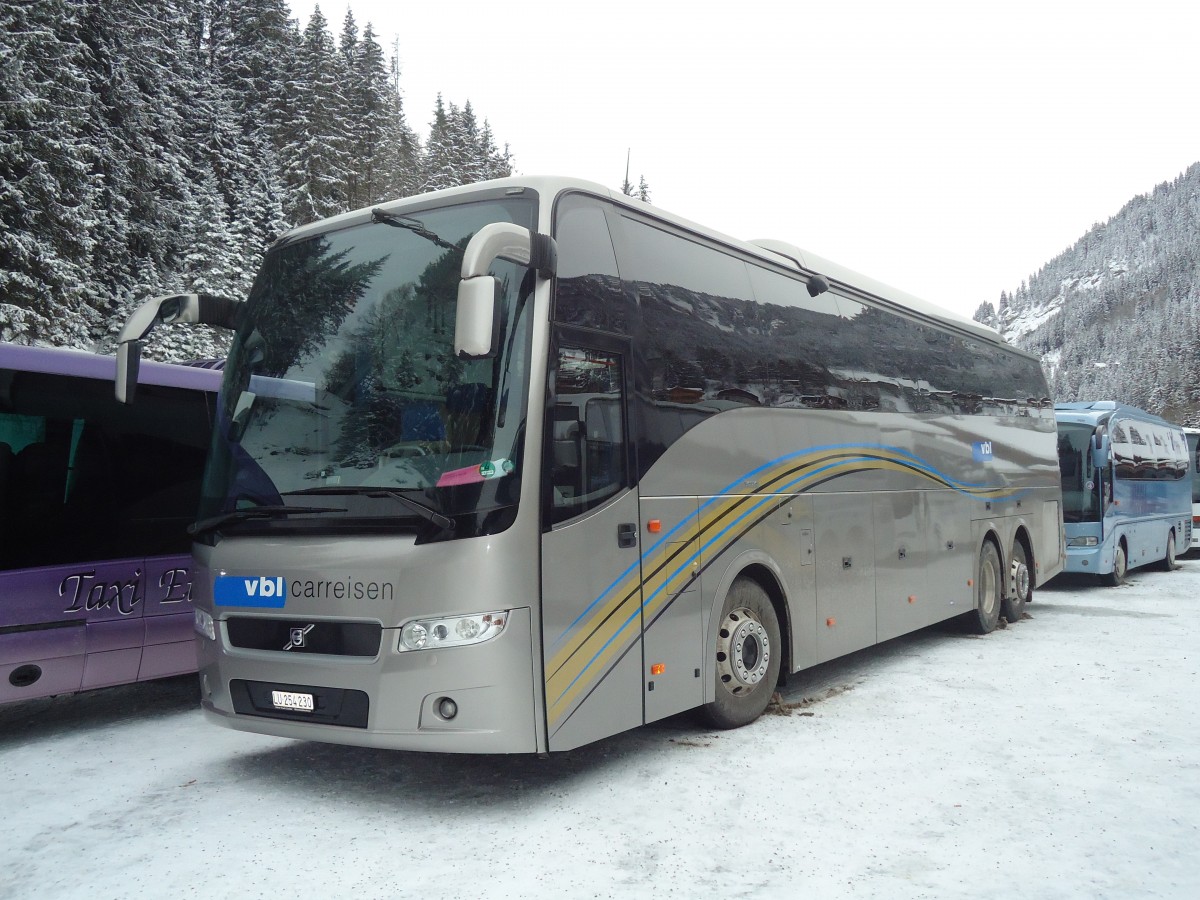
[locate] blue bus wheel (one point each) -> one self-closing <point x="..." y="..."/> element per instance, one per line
<point x="1169" y="561"/>
<point x="1120" y="567"/>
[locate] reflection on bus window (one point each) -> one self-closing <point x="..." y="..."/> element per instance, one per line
<point x="588" y="435"/>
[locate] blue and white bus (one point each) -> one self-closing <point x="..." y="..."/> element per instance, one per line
<point x="1126" y="488"/>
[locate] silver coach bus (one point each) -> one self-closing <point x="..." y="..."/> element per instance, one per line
<point x="516" y="466"/>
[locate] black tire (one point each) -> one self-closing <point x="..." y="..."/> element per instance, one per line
<point x="747" y="655"/>
<point x="1020" y="585"/>
<point x="989" y="592"/>
<point x="1170" y="561"/>
<point x="1120" y="568"/>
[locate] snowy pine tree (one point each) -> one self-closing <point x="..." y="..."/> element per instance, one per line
<point x="47" y="193"/>
<point x="153" y="146"/>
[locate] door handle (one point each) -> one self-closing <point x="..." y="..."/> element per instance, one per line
<point x="627" y="535"/>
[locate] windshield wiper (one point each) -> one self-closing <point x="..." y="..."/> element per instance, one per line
<point x="416" y="226"/>
<point x="425" y="512"/>
<point x="257" y="512"/>
<point x="428" y="513"/>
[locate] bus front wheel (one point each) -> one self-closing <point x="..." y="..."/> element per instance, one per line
<point x="1169" y="562"/>
<point x="989" y="592"/>
<point x="748" y="654"/>
<point x="1120" y="566"/>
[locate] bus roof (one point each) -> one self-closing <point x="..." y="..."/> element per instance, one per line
<point x="1097" y="412"/>
<point x="85" y="364"/>
<point x="777" y="252"/>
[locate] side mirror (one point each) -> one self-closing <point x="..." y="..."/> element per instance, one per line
<point x="476" y="320"/>
<point x="192" y="309"/>
<point x="1099" y="451"/>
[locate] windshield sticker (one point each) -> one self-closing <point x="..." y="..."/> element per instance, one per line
<point x="493" y="468"/>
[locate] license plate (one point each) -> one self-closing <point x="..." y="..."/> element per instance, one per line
<point x="289" y="700"/>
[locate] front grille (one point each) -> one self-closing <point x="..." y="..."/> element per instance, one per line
<point x="331" y="706"/>
<point x="299" y="636"/>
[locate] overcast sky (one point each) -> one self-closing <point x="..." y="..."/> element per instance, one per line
<point x="950" y="149"/>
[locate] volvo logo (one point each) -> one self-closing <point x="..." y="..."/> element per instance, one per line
<point x="298" y="637"/>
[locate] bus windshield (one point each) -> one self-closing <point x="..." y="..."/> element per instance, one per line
<point x="1080" y="478"/>
<point x="342" y="389"/>
<point x="1193" y="439"/>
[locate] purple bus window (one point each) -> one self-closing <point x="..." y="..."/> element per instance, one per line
<point x="95" y="498"/>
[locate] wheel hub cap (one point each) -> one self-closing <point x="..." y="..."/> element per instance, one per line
<point x="743" y="651"/>
<point x="1020" y="579"/>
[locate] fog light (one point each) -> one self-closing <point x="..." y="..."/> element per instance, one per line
<point x="447" y="708"/>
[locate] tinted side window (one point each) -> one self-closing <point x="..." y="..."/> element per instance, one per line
<point x="1121" y="450"/>
<point x="698" y="317"/>
<point x="916" y="367"/>
<point x="83" y="477"/>
<point x="698" y="342"/>
<point x="588" y="289"/>
<point x="1143" y="453"/>
<point x="806" y="339"/>
<point x="588" y="450"/>
<point x="717" y="331"/>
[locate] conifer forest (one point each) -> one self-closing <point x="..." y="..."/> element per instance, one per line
<point x="158" y="146"/>
<point x="1116" y="316"/>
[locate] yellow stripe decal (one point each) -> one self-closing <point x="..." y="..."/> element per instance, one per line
<point x="586" y="651"/>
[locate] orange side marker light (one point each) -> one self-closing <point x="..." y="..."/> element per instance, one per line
<point x="658" y="668"/>
<point x="654" y="526"/>
<point x="830" y="622"/>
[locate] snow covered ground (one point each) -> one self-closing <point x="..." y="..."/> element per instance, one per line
<point x="1057" y="758"/>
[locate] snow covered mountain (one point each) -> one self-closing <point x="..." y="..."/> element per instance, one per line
<point x="1117" y="316"/>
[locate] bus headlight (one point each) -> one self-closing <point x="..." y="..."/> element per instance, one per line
<point x="1089" y="540"/>
<point x="452" y="631"/>
<point x="203" y="623"/>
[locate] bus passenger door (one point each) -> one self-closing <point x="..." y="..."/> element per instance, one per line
<point x="591" y="560"/>
<point x="671" y="613"/>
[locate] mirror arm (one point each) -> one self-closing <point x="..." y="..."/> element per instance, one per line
<point x="196" y="309"/>
<point x="543" y="255"/>
<point x="497" y="240"/>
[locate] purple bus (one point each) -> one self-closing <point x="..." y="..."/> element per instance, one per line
<point x="95" y="500"/>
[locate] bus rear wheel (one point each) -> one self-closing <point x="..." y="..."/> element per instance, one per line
<point x="748" y="654"/>
<point x="1020" y="585"/>
<point x="1116" y="577"/>
<point x="989" y="592"/>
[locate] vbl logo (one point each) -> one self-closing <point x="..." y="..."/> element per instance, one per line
<point x="982" y="451"/>
<point x="262" y="591"/>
